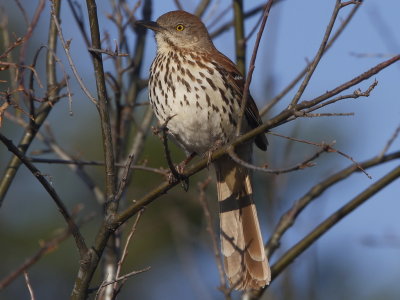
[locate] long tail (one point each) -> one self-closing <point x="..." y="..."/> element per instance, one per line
<point x="246" y="265"/>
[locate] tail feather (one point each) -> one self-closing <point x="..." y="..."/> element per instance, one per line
<point x="245" y="263"/>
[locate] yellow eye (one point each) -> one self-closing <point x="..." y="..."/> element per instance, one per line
<point x="180" y="27"/>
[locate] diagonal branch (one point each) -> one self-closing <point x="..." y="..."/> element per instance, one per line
<point x="332" y="220"/>
<point x="79" y="240"/>
<point x="318" y="56"/>
<point x="274" y="122"/>
<point x="45" y="248"/>
<point x="293" y="83"/>
<point x="287" y="220"/>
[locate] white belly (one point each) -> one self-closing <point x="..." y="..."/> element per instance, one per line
<point x="200" y="113"/>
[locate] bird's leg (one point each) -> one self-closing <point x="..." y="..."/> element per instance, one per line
<point x="218" y="144"/>
<point x="182" y="165"/>
<point x="175" y="172"/>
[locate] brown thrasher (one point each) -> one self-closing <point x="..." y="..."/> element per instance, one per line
<point x="197" y="90"/>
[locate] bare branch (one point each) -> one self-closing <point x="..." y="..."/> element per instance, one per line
<point x="240" y="42"/>
<point x="273" y="122"/>
<point x="326" y="148"/>
<point x="52" y="92"/>
<point x="108" y="52"/>
<point x="29" y="286"/>
<point x="300" y="166"/>
<point x="287" y="219"/>
<point x="332" y="220"/>
<point x="79" y="240"/>
<point x="390" y="141"/>
<point x="79" y="162"/>
<point x="292" y="84"/>
<point x="252" y="66"/>
<point x="213" y="236"/>
<point x="45" y="248"/>
<point x="124" y="277"/>
<point x="66" y="46"/>
<point x="117" y="288"/>
<point x="318" y="56"/>
<point x="201" y="7"/>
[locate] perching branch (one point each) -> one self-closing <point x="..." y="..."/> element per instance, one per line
<point x="280" y="118"/>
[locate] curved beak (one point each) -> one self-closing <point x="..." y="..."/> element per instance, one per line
<point x="149" y="24"/>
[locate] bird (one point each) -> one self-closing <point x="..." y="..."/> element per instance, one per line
<point x="197" y="92"/>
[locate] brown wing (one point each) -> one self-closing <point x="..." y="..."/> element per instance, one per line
<point x="252" y="114"/>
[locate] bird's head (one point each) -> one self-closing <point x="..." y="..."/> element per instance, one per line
<point x="179" y="29"/>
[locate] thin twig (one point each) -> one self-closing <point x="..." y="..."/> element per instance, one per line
<point x="29" y="286"/>
<point x="293" y="83"/>
<point x="229" y="24"/>
<point x="66" y="46"/>
<point x="390" y="141"/>
<point x="93" y="163"/>
<point x="252" y="66"/>
<point x="4" y="63"/>
<point x="77" y="13"/>
<point x="23" y="11"/>
<point x="329" y="222"/>
<point x="300" y="166"/>
<point x="79" y="240"/>
<point x="29" y="32"/>
<point x="29" y="135"/>
<point x="356" y="94"/>
<point x="45" y="248"/>
<point x="213" y="236"/>
<point x="201" y="8"/>
<point x="178" y="4"/>
<point x="74" y="164"/>
<point x="124" y="277"/>
<point x="303" y="114"/>
<point x="117" y="288"/>
<point x="32" y="25"/>
<point x="327" y="148"/>
<point x="108" y="52"/>
<point x="287" y="219"/>
<point x="318" y="56"/>
<point x="124" y="177"/>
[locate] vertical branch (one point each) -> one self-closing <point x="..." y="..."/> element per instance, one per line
<point x="252" y="65"/>
<point x="43" y="110"/>
<point x="89" y="264"/>
<point x="240" y="43"/>
<point x="135" y="88"/>
<point x="111" y="205"/>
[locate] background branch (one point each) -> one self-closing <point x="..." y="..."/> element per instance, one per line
<point x="42" y="111"/>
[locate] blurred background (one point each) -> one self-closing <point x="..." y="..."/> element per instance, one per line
<point x="357" y="259"/>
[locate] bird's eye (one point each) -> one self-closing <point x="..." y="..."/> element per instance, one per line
<point x="180" y="27"/>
